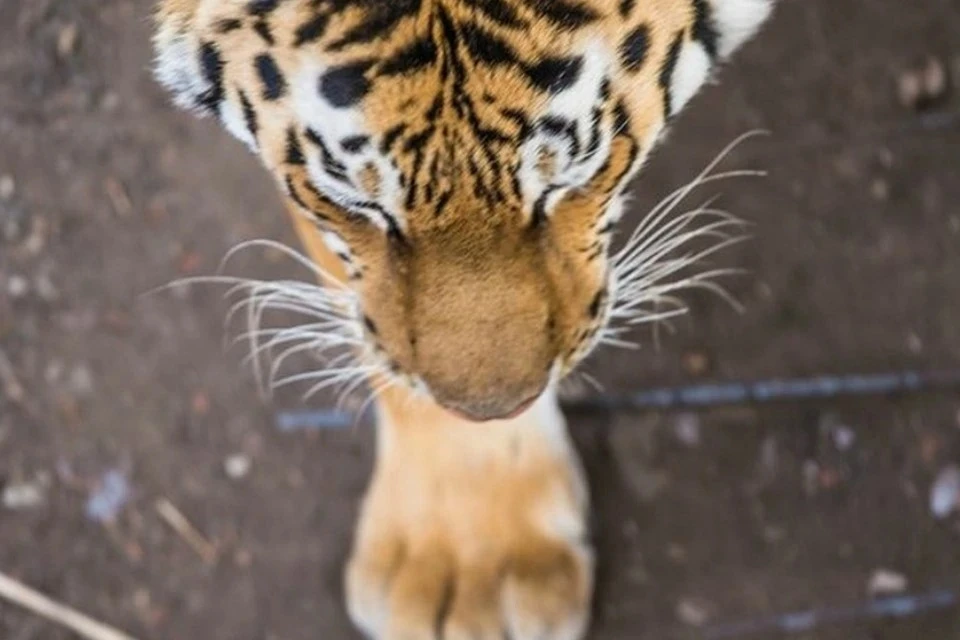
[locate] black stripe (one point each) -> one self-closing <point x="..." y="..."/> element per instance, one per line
<point x="595" y="134"/>
<point x="703" y="29"/>
<point x="562" y="128"/>
<point x="380" y="21"/>
<point x="564" y="14"/>
<point x="391" y="137"/>
<point x="261" y="7"/>
<point x="540" y="207"/>
<point x="666" y="73"/>
<point x="311" y="30"/>
<point x="452" y="41"/>
<point x="249" y="114"/>
<point x="441" y="203"/>
<point x="486" y="48"/>
<point x="293" y="193"/>
<point x="634" y="48"/>
<point x="346" y="85"/>
<point x="519" y="118"/>
<point x="354" y="144"/>
<point x="263" y="30"/>
<point x="227" y="25"/>
<point x="333" y="167"/>
<point x="416" y="144"/>
<point x="414" y="57"/>
<point x="594" y="309"/>
<point x="626" y="7"/>
<point x="555" y="74"/>
<point x="294" y="149"/>
<point x="605" y="90"/>
<point x="418" y="140"/>
<point x="436" y="107"/>
<point x="498" y="11"/>
<point x="621" y="119"/>
<point x="274" y="84"/>
<point x="211" y="62"/>
<point x="480" y="190"/>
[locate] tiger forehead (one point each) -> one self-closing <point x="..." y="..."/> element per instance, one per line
<point x="445" y="93"/>
<point x="404" y="108"/>
<point x="449" y="92"/>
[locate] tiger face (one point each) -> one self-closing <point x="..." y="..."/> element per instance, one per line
<point x="465" y="159"/>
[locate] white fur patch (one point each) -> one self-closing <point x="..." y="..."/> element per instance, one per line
<point x="692" y="70"/>
<point x="231" y="115"/>
<point x="334" y="124"/>
<point x="336" y="244"/>
<point x="177" y="67"/>
<point x="737" y="20"/>
<point x="575" y="104"/>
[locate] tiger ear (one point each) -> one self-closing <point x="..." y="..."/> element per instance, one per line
<point x="190" y="72"/>
<point x="736" y="21"/>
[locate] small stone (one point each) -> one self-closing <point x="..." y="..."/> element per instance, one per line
<point x="633" y="442"/>
<point x="21" y="497"/>
<point x="45" y="288"/>
<point x="696" y="363"/>
<point x="922" y="86"/>
<point x="769" y="460"/>
<point x="945" y="493"/>
<point x="884" y="582"/>
<point x="677" y="553"/>
<point x="200" y="404"/>
<point x="910" y="89"/>
<point x="67" y="41"/>
<point x="81" y="381"/>
<point x="237" y="467"/>
<point x="53" y="372"/>
<point x="830" y="478"/>
<point x="935" y="79"/>
<point x="34" y="243"/>
<point x="880" y="190"/>
<point x="637" y="574"/>
<point x="914" y="343"/>
<point x="17" y="286"/>
<point x="111" y="494"/>
<point x="7" y="187"/>
<point x="773" y="533"/>
<point x="886" y="158"/>
<point x="693" y="612"/>
<point x="686" y="429"/>
<point x="110" y="102"/>
<point x="844" y="438"/>
<point x="142" y="600"/>
<point x="243" y="558"/>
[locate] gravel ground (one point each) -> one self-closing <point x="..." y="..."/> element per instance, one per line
<point x="739" y="513"/>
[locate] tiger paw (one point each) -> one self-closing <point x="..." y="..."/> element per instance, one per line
<point x="454" y="552"/>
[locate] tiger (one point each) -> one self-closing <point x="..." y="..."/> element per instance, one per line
<point x="455" y="171"/>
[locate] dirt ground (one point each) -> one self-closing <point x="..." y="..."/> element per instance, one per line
<point x="106" y="192"/>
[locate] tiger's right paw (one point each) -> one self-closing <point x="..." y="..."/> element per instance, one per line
<point x="456" y="555"/>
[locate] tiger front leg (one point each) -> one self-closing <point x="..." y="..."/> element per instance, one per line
<point x="473" y="532"/>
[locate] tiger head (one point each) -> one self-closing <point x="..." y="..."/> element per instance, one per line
<point x="465" y="159"/>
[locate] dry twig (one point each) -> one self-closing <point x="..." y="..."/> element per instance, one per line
<point x="37" y="603"/>
<point x="179" y="523"/>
